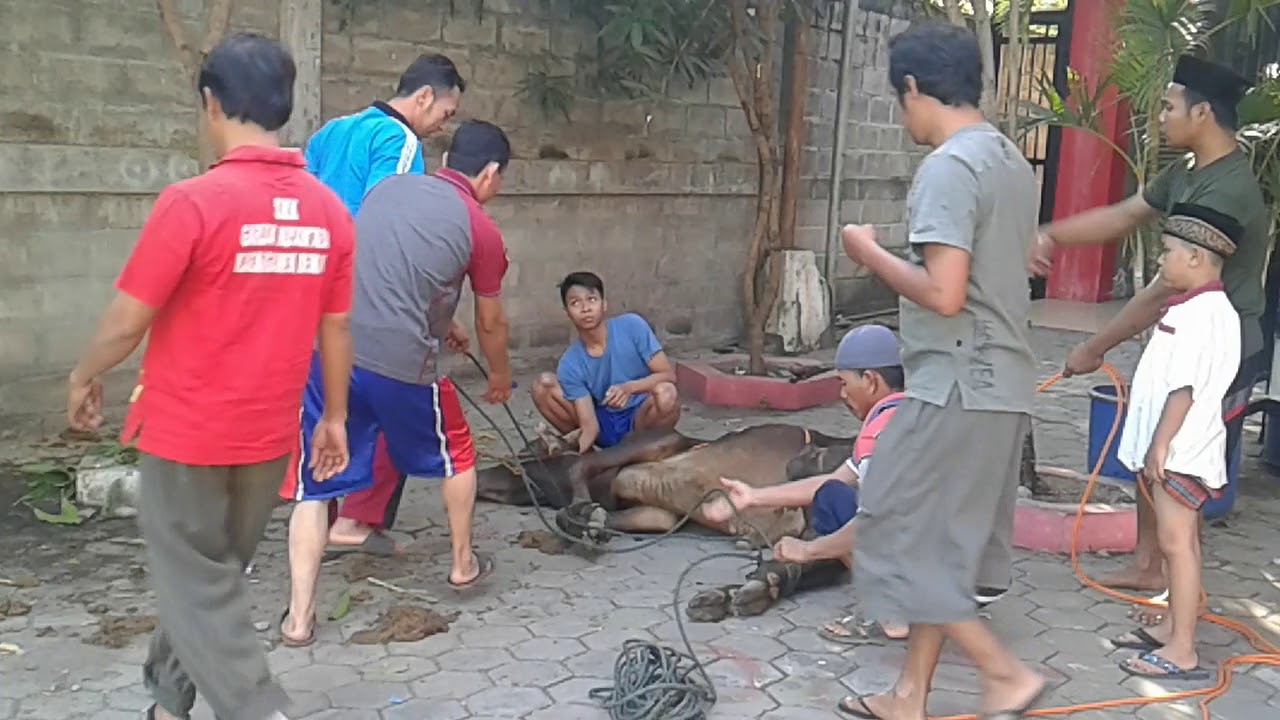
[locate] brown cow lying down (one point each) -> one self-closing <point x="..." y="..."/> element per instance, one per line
<point x="648" y="482"/>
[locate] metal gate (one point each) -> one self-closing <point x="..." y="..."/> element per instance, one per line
<point x="1044" y="56"/>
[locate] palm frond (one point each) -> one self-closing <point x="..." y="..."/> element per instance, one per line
<point x="1152" y="35"/>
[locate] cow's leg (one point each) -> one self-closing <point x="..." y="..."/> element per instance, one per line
<point x="638" y="447"/>
<point x="642" y="520"/>
<point x="771" y="582"/>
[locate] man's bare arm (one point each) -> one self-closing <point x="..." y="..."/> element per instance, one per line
<point x="660" y="371"/>
<point x="123" y="326"/>
<point x="491" y="334"/>
<point x="1103" y="224"/>
<point x="587" y="421"/>
<point x="1140" y="313"/>
<point x="335" y="364"/>
<point x="941" y="285"/>
<point x="800" y="492"/>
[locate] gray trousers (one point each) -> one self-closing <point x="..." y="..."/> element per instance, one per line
<point x="201" y="525"/>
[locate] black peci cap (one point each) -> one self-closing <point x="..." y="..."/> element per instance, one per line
<point x="1214" y="81"/>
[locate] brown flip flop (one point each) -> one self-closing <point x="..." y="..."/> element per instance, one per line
<point x="485" y="563"/>
<point x="290" y="642"/>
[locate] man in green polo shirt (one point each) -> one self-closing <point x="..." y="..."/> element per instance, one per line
<point x="1198" y="114"/>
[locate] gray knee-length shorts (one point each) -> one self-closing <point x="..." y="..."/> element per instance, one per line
<point x="935" y="516"/>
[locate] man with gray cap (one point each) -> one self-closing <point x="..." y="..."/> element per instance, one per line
<point x="869" y="364"/>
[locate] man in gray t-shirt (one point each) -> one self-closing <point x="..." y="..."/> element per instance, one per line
<point x="944" y="524"/>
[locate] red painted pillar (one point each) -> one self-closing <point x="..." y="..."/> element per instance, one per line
<point x="1090" y="173"/>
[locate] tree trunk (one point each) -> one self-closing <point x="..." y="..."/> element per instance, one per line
<point x="798" y="37"/>
<point x="986" y="44"/>
<point x="217" y="17"/>
<point x="954" y="14"/>
<point x="752" y="73"/>
<point x="1012" y="68"/>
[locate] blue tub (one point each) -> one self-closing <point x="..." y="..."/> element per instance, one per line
<point x="1102" y="412"/>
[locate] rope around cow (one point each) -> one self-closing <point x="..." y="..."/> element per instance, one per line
<point x="652" y="682"/>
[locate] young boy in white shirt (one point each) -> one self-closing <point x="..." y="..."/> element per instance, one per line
<point x="1174" y="436"/>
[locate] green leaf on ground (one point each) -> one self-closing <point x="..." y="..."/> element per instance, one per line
<point x="69" y="514"/>
<point x="342" y="607"/>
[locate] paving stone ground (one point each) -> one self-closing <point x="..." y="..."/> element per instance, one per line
<point x="546" y="629"/>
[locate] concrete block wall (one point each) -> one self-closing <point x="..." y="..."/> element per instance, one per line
<point x="660" y="212"/>
<point x="96" y="116"/>
<point x="879" y="155"/>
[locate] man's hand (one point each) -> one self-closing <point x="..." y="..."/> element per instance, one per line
<point x="1082" y="360"/>
<point x="499" y="388"/>
<point x="84" y="403"/>
<point x="859" y="241"/>
<point x="1153" y="465"/>
<point x="456" y="339"/>
<point x="1040" y="255"/>
<point x="585" y="443"/>
<point x="793" y="550"/>
<point x="329" y="452"/>
<point x="617" y="396"/>
<point x="740" y="494"/>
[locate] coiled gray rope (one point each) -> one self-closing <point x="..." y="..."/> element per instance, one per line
<point x="650" y="681"/>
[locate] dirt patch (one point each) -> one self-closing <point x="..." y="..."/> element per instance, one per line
<point x="1055" y="488"/>
<point x="117" y="631"/>
<point x="540" y="540"/>
<point x="404" y="623"/>
<point x="358" y="566"/>
<point x="14" y="607"/>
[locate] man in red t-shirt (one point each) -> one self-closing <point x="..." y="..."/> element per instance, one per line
<point x="234" y="274"/>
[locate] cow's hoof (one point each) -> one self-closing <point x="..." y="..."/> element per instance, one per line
<point x="584" y="520"/>
<point x="754" y="597"/>
<point x="709" y="606"/>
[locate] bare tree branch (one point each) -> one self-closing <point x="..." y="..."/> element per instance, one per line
<point x="177" y="34"/>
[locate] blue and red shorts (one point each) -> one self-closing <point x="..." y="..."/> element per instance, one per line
<point x="424" y="428"/>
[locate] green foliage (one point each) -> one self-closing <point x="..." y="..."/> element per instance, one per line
<point x="551" y="95"/>
<point x="1151" y="35"/>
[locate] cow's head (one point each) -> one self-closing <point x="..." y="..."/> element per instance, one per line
<point x="821" y="456"/>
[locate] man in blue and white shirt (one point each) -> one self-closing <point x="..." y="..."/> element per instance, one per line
<point x="353" y="153"/>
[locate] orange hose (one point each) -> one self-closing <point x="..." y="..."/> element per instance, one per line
<point x="1267" y="654"/>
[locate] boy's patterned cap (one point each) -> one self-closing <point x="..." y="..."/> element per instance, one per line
<point x="1205" y="227"/>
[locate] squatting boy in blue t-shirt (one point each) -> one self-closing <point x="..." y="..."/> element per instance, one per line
<point x="613" y="379"/>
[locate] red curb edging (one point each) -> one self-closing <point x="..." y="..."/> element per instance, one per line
<point x="707" y="384"/>
<point x="1047" y="526"/>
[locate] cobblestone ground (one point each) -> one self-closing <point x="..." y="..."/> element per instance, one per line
<point x="546" y="628"/>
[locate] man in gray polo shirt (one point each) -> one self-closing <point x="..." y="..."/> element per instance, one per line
<point x="938" y="503"/>
<point x="418" y="238"/>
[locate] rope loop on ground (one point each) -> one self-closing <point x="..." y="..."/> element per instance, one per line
<point x="655" y="682"/>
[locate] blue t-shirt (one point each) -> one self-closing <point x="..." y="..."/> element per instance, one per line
<point x="629" y="345"/>
<point x="351" y="154"/>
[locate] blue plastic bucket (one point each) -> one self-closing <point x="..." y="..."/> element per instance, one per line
<point x="1222" y="506"/>
<point x="1103" y="407"/>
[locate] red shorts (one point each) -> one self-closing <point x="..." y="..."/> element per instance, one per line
<point x="1189" y="490"/>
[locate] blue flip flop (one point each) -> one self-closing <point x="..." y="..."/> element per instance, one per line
<point x="1167" y="670"/>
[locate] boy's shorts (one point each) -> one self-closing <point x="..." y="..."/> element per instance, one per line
<point x="615" y="424"/>
<point x="425" y="431"/>
<point x="1189" y="490"/>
